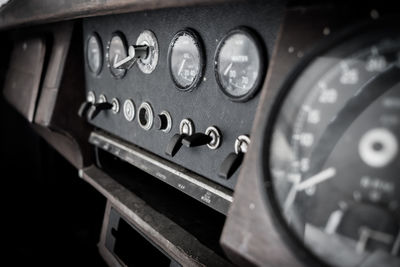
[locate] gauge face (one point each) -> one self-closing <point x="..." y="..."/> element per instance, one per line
<point x="94" y="53"/>
<point x="334" y="156"/>
<point x="116" y="52"/>
<point x="186" y="60"/>
<point x="239" y="65"/>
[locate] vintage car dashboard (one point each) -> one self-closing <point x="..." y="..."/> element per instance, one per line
<point x="221" y="133"/>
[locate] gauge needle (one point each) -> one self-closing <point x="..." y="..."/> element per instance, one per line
<point x="316" y="179"/>
<point x="299" y="186"/>
<point x="115" y="60"/>
<point x="228" y="69"/>
<point x="181" y="67"/>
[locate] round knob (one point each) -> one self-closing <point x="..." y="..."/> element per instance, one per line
<point x="163" y="121"/>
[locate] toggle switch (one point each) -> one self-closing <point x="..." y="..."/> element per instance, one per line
<point x="135" y="52"/>
<point x="197" y="139"/>
<point x="174" y="144"/>
<point x="186" y="128"/>
<point x="211" y="138"/>
<point x="233" y="161"/>
<point x="95" y="109"/>
<point x="85" y="106"/>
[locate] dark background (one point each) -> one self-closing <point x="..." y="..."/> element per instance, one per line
<point x="51" y="217"/>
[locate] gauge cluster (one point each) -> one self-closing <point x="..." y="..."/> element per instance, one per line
<point x="184" y="89"/>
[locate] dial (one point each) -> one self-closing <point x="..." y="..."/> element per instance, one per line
<point x="94" y="53"/>
<point x="334" y="154"/>
<point x="186" y="60"/>
<point x="239" y="64"/>
<point x="116" y="51"/>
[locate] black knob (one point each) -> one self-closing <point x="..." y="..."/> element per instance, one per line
<point x="174" y="144"/>
<point x="83" y="109"/>
<point x="161" y="122"/>
<point x="96" y="108"/>
<point x="231" y="163"/>
<point x="197" y="139"/>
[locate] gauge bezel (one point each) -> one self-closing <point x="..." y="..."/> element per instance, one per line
<point x="200" y="48"/>
<point x="100" y="43"/>
<point x="124" y="42"/>
<point x="278" y="97"/>
<point x="253" y="36"/>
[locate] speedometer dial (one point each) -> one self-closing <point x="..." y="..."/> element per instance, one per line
<point x="239" y="64"/>
<point x="334" y="157"/>
<point x="186" y="60"/>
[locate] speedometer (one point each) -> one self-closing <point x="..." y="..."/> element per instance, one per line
<point x="334" y="156"/>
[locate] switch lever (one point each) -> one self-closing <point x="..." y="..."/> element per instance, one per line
<point x="95" y="109"/>
<point x="84" y="108"/>
<point x="186" y="128"/>
<point x="196" y="139"/>
<point x="229" y="166"/>
<point x="174" y="144"/>
<point x="233" y="161"/>
<point x="135" y="52"/>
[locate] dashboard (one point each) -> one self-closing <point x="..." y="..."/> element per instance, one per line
<point x="249" y="133"/>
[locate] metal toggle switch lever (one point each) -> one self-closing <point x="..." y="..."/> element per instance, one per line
<point x="196" y="139"/>
<point x="84" y="108"/>
<point x="174" y="144"/>
<point x="233" y="161"/>
<point x="212" y="138"/>
<point x="186" y="128"/>
<point x="135" y="52"/>
<point x="95" y="109"/>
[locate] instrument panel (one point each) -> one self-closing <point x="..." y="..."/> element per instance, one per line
<point x="287" y="115"/>
<point x="179" y="87"/>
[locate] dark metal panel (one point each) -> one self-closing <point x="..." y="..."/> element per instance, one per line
<point x="206" y="105"/>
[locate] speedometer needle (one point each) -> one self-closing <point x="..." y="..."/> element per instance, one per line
<point x="316" y="179"/>
<point x="300" y="186"/>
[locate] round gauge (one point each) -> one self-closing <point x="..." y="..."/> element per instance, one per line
<point x="186" y="60"/>
<point x="239" y="65"/>
<point x="116" y="52"/>
<point x="94" y="53"/>
<point x="334" y="153"/>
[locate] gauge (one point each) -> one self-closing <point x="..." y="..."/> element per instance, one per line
<point x="239" y="65"/>
<point x="116" y="52"/>
<point x="94" y="53"/>
<point x="334" y="155"/>
<point x="186" y="60"/>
